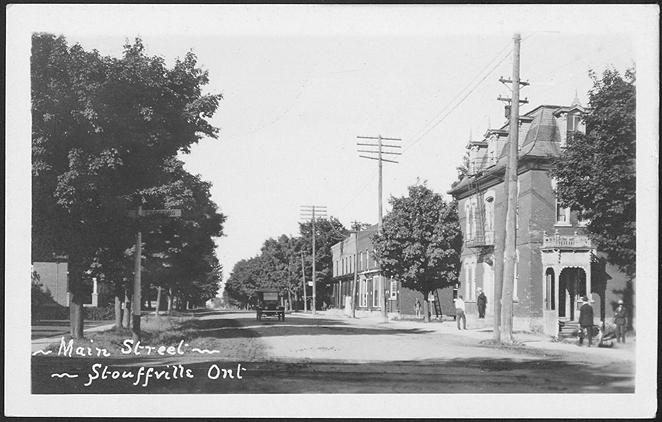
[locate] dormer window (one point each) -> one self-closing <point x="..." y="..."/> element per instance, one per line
<point x="573" y="122"/>
<point x="562" y="214"/>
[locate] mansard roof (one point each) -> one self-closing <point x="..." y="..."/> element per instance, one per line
<point x="539" y="138"/>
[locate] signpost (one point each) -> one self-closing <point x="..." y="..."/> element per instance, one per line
<point x="137" y="300"/>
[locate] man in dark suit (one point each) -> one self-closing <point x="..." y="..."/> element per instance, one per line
<point x="481" y="302"/>
<point x="586" y="321"/>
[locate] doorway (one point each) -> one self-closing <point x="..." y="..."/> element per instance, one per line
<point x="572" y="286"/>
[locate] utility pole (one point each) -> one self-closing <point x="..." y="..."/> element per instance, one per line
<point x="308" y="211"/>
<point x="356" y="230"/>
<point x="303" y="280"/>
<point x="137" y="284"/>
<point x="380" y="152"/>
<point x="509" y="233"/>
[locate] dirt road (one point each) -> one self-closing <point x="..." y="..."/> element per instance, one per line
<point x="331" y="354"/>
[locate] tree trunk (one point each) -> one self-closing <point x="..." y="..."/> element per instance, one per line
<point x="126" y="317"/>
<point x="289" y="300"/>
<point x="426" y="306"/>
<point x="118" y="311"/>
<point x="169" y="301"/>
<point x="158" y="301"/>
<point x="76" y="316"/>
<point x="76" y="304"/>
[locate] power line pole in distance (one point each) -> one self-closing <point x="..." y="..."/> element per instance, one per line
<point x="311" y="212"/>
<point x="303" y="279"/>
<point x="377" y="154"/>
<point x="356" y="228"/>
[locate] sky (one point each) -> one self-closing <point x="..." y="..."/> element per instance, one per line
<point x="300" y="87"/>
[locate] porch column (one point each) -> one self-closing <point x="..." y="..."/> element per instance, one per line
<point x="95" y="294"/>
<point x="587" y="271"/>
<point x="557" y="282"/>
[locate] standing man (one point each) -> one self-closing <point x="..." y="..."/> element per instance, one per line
<point x="459" y="313"/>
<point x="620" y="319"/>
<point x="586" y="321"/>
<point x="481" y="301"/>
<point x="417" y="308"/>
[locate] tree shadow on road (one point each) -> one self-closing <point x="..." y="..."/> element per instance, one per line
<point x="457" y="375"/>
<point x="249" y="327"/>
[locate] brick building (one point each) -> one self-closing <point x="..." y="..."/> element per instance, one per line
<point x="369" y="288"/>
<point x="556" y="261"/>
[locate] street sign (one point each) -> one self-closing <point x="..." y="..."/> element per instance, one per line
<point x="164" y="213"/>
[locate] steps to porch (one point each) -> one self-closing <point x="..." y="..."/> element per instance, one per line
<point x="568" y="329"/>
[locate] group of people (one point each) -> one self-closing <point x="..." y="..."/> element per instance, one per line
<point x="586" y="318"/>
<point x="587" y="328"/>
<point x="460" y="317"/>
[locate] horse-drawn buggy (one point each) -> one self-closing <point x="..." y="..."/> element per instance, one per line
<point x="268" y="304"/>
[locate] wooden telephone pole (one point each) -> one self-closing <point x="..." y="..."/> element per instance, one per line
<point x="355" y="229"/>
<point x="137" y="284"/>
<point x="303" y="280"/>
<point x="379" y="157"/>
<point x="506" y="242"/>
<point x="311" y="212"/>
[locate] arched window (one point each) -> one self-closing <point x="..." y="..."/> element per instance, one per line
<point x="473" y="217"/>
<point x="467" y="219"/>
<point x="491" y="150"/>
<point x="470" y="278"/>
<point x="516" y="275"/>
<point x="562" y="215"/>
<point x="489" y="217"/>
<point x="550" y="291"/>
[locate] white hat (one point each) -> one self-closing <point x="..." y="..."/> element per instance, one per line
<point x="620" y="301"/>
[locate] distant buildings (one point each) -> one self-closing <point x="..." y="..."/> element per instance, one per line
<point x="370" y="282"/>
<point x="556" y="262"/>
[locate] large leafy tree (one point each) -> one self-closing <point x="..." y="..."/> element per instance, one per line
<point x="281" y="266"/>
<point x="328" y="232"/>
<point x="421" y="242"/>
<point x="101" y="130"/>
<point x="279" y="263"/>
<point x="596" y="172"/>
<point x="243" y="281"/>
<point x="179" y="253"/>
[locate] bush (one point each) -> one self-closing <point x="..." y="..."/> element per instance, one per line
<point x="101" y="313"/>
<point x="50" y="311"/>
<point x="54" y="311"/>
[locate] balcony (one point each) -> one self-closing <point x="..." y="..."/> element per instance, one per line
<point x="480" y="240"/>
<point x="557" y="241"/>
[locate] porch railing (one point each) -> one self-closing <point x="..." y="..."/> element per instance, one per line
<point x="560" y="241"/>
<point x="485" y="238"/>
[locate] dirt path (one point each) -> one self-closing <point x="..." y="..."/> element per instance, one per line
<point x="333" y="355"/>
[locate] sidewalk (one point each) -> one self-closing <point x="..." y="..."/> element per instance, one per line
<point x="43" y="343"/>
<point x="481" y="330"/>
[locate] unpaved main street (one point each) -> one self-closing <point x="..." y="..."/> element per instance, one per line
<point x="330" y="353"/>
